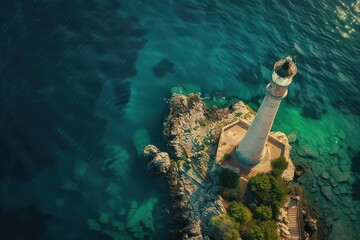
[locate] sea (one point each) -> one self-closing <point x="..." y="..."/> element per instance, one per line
<point x="85" y="85"/>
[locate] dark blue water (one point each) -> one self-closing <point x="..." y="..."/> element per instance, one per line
<point x="84" y="87"/>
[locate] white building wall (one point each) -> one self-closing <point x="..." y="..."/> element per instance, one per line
<point x="252" y="147"/>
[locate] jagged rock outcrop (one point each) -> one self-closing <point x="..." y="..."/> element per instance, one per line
<point x="159" y="161"/>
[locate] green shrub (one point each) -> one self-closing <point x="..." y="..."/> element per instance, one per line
<point x="279" y="191"/>
<point x="269" y="191"/>
<point x="278" y="166"/>
<point x="254" y="232"/>
<point x="269" y="229"/>
<point x="260" y="185"/>
<point x="227" y="156"/>
<point x="232" y="234"/>
<point x="238" y="114"/>
<point x="263" y="212"/>
<point x="183" y="158"/>
<point x="228" y="178"/>
<point x="240" y="213"/>
<point x="224" y="227"/>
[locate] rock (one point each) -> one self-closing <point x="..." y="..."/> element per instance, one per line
<point x="117" y="162"/>
<point x="161" y="163"/>
<point x="353" y="217"/>
<point x="150" y="152"/>
<point x="307" y="152"/>
<point x="163" y="67"/>
<point x="193" y="229"/>
<point x="142" y="216"/>
<point x="80" y="169"/>
<point x="347" y="202"/>
<point x="341" y="134"/>
<point x="112" y="189"/>
<point x="345" y="165"/>
<point x="328" y="221"/>
<point x="333" y="182"/>
<point x="339" y="176"/>
<point x="327" y="192"/>
<point x="292" y="137"/>
<point x="94" y="225"/>
<point x="340" y="231"/>
<point x="334" y="149"/>
<point x="104" y="218"/>
<point x="325" y="175"/>
<point x="314" y="108"/>
<point x="285" y="231"/>
<point x="119" y="225"/>
<point x="179" y="104"/>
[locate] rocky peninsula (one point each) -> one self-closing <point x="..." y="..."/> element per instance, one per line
<point x="201" y="199"/>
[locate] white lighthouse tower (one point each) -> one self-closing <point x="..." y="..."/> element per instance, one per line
<point x="252" y="149"/>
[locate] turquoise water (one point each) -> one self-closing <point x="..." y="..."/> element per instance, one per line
<point x="80" y="99"/>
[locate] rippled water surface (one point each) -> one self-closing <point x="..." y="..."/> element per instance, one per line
<point x="84" y="86"/>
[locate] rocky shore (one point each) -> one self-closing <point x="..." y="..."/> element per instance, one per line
<point x="192" y="131"/>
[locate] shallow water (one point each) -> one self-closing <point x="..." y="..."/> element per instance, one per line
<point x="79" y="100"/>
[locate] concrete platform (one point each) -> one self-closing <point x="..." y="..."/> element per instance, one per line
<point x="231" y="135"/>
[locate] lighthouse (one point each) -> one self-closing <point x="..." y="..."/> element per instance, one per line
<point x="252" y="147"/>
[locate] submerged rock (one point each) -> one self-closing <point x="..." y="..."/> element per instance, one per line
<point x="292" y="137"/>
<point x="80" y="169"/>
<point x="327" y="192"/>
<point x="339" y="176"/>
<point x="163" y="67"/>
<point x="339" y="232"/>
<point x="117" y="162"/>
<point x="307" y="152"/>
<point x="141" y="216"/>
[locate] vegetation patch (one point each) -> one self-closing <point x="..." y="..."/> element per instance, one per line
<point x="263" y="212"/>
<point x="228" y="178"/>
<point x="224" y="227"/>
<point x="267" y="190"/>
<point x="278" y="166"/>
<point x="240" y="213"/>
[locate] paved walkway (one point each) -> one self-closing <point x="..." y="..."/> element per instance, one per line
<point x="294" y="221"/>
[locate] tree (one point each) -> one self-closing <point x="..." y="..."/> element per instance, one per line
<point x="260" y="185"/>
<point x="269" y="191"/>
<point x="269" y="229"/>
<point x="279" y="191"/>
<point x="224" y="227"/>
<point x="232" y="234"/>
<point x="254" y="232"/>
<point x="263" y="212"/>
<point x="278" y="166"/>
<point x="229" y="178"/>
<point x="240" y="213"/>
